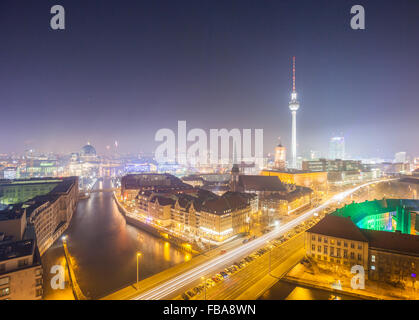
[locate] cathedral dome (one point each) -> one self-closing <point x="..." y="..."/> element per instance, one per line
<point x="88" y="150"/>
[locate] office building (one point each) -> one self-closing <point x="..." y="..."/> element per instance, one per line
<point x="337" y="242"/>
<point x="337" y="148"/>
<point x="400" y="157"/>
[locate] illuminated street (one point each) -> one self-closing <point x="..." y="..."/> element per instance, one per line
<point x="185" y="280"/>
<point x="240" y="283"/>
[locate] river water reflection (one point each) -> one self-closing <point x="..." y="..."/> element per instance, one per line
<point x="104" y="249"/>
<point x="286" y="291"/>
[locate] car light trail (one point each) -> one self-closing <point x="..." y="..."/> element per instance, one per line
<point x="188" y="277"/>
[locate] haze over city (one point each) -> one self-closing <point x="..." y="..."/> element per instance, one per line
<point x="121" y="72"/>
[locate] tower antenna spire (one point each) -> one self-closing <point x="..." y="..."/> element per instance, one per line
<point x="294" y="105"/>
<point x="293" y="74"/>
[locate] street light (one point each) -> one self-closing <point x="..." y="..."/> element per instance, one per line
<point x="64" y="240"/>
<point x="138" y="255"/>
<point x="205" y="288"/>
<point x="270" y="258"/>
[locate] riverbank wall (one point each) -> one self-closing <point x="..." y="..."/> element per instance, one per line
<point x="179" y="243"/>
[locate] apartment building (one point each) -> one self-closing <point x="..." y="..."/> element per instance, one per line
<point x="20" y="270"/>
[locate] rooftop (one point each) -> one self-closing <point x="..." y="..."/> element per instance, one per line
<point x="392" y="241"/>
<point x="205" y="200"/>
<point x="339" y="227"/>
<point x="151" y="180"/>
<point x="261" y="183"/>
<point x="343" y="227"/>
<point x="31" y="181"/>
<point x="226" y="203"/>
<point x="292" y="171"/>
<point x="11" y="213"/>
<point x="65" y="185"/>
<point x="12" y="250"/>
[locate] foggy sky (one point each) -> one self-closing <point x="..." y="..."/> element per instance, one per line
<point x="124" y="69"/>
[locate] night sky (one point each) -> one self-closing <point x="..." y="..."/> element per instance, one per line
<point x="124" y="69"/>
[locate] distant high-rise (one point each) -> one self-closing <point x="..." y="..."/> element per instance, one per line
<point x="235" y="172"/>
<point x="337" y="148"/>
<point x="400" y="157"/>
<point x="314" y="155"/>
<point x="280" y="156"/>
<point x="294" y="105"/>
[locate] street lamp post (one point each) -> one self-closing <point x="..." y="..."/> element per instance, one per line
<point x="205" y="288"/>
<point x="138" y="255"/>
<point x="64" y="240"/>
<point x="270" y="258"/>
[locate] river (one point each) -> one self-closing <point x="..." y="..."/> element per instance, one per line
<point x="104" y="247"/>
<point x="286" y="291"/>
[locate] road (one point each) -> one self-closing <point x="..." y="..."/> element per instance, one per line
<point x="241" y="281"/>
<point x="174" y="286"/>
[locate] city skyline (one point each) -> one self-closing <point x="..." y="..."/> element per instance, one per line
<point x="218" y="65"/>
<point x="229" y="152"/>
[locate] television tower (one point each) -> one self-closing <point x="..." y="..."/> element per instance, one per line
<point x="294" y="105"/>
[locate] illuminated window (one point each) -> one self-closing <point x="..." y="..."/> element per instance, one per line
<point x="4" y="281"/>
<point x="38" y="282"/>
<point x="372" y="267"/>
<point x="373" y="258"/>
<point x="4" y="292"/>
<point x="39" y="292"/>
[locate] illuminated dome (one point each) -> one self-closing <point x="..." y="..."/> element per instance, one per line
<point x="88" y="150"/>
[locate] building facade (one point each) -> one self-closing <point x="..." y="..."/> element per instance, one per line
<point x="309" y="179"/>
<point x="20" y="271"/>
<point x="194" y="212"/>
<point x="336" y="242"/>
<point x="47" y="206"/>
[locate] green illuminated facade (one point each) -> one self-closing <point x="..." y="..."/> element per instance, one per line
<point x="384" y="215"/>
<point x="17" y="191"/>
